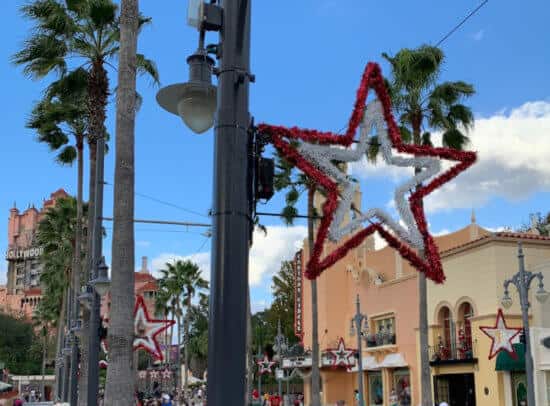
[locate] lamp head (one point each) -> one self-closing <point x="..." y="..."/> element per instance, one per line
<point x="542" y="294"/>
<point x="85" y="298"/>
<point x="102" y="283"/>
<point x="352" y="329"/>
<point x="506" y="300"/>
<point x="194" y="101"/>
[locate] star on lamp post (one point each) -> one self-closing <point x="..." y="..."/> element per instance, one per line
<point x="501" y="336"/>
<point x="315" y="150"/>
<point x="265" y="365"/>
<point x="341" y="356"/>
<point x="146" y="329"/>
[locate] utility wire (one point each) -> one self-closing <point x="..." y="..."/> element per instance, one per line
<point x="154" y="199"/>
<point x="446" y="36"/>
<point x="474" y="11"/>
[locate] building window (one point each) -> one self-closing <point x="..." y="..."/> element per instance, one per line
<point x="465" y="313"/>
<point x="402" y="387"/>
<point x="376" y="388"/>
<point x="382" y="331"/>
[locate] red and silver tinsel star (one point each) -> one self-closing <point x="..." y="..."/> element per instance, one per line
<point x="501" y="336"/>
<point x="284" y="140"/>
<point x="265" y="365"/>
<point x="147" y="329"/>
<point x="341" y="356"/>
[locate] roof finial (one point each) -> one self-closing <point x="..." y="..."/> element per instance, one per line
<point x="473" y="218"/>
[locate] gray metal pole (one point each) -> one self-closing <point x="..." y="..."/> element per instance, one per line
<point x="231" y="218"/>
<point x="358" y="322"/>
<point x="280" y="384"/>
<point x="95" y="318"/>
<point x="524" y="300"/>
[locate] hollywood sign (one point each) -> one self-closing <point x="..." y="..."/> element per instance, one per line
<point x="35" y="252"/>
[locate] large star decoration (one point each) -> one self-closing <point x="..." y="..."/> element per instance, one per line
<point x="341" y="356"/>
<point x="265" y="365"/>
<point x="146" y="329"/>
<point x="313" y="157"/>
<point x="501" y="336"/>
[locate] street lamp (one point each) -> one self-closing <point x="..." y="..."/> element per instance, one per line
<point x="231" y="217"/>
<point x="280" y="347"/>
<point x="522" y="281"/>
<point x="101" y="283"/>
<point x="357" y="328"/>
<point x="195" y="100"/>
<point x="86" y="297"/>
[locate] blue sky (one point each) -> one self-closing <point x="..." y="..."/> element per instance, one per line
<point x="307" y="57"/>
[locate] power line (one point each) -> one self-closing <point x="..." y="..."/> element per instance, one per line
<point x="474" y="11"/>
<point x="154" y="199"/>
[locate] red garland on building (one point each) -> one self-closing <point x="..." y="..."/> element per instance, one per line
<point x="372" y="78"/>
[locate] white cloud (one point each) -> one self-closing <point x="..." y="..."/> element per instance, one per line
<point x="478" y="36"/>
<point x="513" y="150"/>
<point x="280" y="243"/>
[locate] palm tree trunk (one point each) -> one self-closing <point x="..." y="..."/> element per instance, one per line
<point x="44" y="353"/>
<point x="425" y="373"/>
<point x="83" y="377"/>
<point x="178" y="362"/>
<point x="186" y="346"/>
<point x="59" y="350"/>
<point x="119" y="389"/>
<point x="315" y="373"/>
<point x="77" y="266"/>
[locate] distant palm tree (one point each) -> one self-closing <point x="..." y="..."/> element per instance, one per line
<point x="79" y="34"/>
<point x="56" y="233"/>
<point x="43" y="321"/>
<point x="183" y="280"/>
<point x="164" y="307"/>
<point x="422" y="104"/>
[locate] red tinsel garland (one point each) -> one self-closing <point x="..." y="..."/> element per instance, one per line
<point x="372" y="78"/>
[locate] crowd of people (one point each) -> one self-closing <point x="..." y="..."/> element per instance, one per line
<point x="275" y="399"/>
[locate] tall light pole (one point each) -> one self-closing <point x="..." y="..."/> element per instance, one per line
<point x="231" y="195"/>
<point x="522" y="280"/>
<point x="357" y="323"/>
<point x="280" y="348"/>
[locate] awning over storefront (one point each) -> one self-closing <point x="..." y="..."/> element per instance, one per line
<point x="393" y="361"/>
<point x="369" y="364"/>
<point x="505" y="362"/>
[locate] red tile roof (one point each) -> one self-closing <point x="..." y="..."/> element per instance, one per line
<point x="143" y="277"/>
<point x="500" y="234"/>
<point x="148" y="286"/>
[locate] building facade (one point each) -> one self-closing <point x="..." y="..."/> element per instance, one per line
<point x="476" y="263"/>
<point x="22" y="293"/>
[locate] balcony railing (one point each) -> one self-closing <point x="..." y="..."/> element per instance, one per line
<point x="380" y="339"/>
<point x="459" y="352"/>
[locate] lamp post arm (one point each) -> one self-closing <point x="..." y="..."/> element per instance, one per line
<point x="507" y="282"/>
<point x="540" y="277"/>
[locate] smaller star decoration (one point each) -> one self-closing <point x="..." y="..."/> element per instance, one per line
<point x="342" y="356"/>
<point x="166" y="374"/>
<point x="154" y="374"/>
<point x="265" y="365"/>
<point x="146" y="329"/>
<point x="501" y="336"/>
<point x="142" y="374"/>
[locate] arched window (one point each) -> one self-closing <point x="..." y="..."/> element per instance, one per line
<point x="465" y="313"/>
<point x="445" y="321"/>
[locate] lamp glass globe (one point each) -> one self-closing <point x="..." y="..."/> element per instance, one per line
<point x="506" y="301"/>
<point x="542" y="295"/>
<point x="197" y="108"/>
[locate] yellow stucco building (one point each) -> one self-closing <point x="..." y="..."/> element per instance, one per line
<point x="476" y="262"/>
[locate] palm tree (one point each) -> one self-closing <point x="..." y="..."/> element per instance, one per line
<point x="164" y="306"/>
<point x="180" y="282"/>
<point x="43" y="320"/>
<point x="85" y="34"/>
<point x="59" y="115"/>
<point x="419" y="101"/>
<point x="119" y="388"/>
<point x="295" y="186"/>
<point x="56" y="233"/>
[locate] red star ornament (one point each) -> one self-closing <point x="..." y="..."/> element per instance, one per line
<point x="146" y="329"/>
<point x="341" y="356"/>
<point x="265" y="365"/>
<point x="501" y="336"/>
<point x="283" y="137"/>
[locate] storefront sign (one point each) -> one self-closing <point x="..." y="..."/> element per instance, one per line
<point x="298" y="362"/>
<point x="34" y="252"/>
<point x="298" y="296"/>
